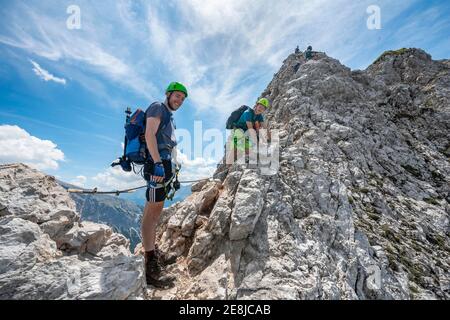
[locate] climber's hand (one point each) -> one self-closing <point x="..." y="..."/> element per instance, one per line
<point x="158" y="173"/>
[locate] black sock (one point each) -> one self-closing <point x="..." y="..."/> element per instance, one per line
<point x="150" y="254"/>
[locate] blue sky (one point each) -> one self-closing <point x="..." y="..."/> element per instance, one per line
<point x="63" y="92"/>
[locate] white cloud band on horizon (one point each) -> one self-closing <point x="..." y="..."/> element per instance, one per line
<point x="114" y="178"/>
<point x="79" y="181"/>
<point x="18" y="145"/>
<point x="194" y="169"/>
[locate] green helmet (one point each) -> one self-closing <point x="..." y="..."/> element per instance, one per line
<point x="176" y="86"/>
<point x="264" y="102"/>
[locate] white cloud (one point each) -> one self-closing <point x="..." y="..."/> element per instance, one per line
<point x="212" y="82"/>
<point x="114" y="178"/>
<point x="194" y="169"/>
<point x="225" y="52"/>
<point x="37" y="32"/>
<point x="45" y="75"/>
<point x="79" y="181"/>
<point x="17" y="145"/>
<point x="231" y="49"/>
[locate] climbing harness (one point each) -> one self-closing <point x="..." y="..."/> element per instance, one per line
<point x="175" y="185"/>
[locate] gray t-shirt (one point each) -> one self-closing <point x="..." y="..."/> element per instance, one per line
<point x="165" y="136"/>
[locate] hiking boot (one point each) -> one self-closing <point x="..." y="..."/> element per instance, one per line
<point x="164" y="259"/>
<point x="155" y="275"/>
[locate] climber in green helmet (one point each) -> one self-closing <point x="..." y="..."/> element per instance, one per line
<point x="176" y="86"/>
<point x="158" y="171"/>
<point x="246" y="128"/>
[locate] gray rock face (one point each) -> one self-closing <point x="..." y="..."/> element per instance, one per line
<point x="360" y="206"/>
<point x="249" y="201"/>
<point x="46" y="253"/>
<point x="120" y="214"/>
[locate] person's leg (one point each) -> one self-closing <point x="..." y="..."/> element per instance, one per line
<point x="239" y="147"/>
<point x="251" y="153"/>
<point x="247" y="145"/>
<point x="231" y="147"/>
<point x="153" y="208"/>
<point x="152" y="211"/>
<point x="154" y="273"/>
<point x="230" y="151"/>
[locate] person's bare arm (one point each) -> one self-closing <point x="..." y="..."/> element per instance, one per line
<point x="150" y="138"/>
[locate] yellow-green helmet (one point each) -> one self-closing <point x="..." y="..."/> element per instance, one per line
<point x="176" y="86"/>
<point x="264" y="102"/>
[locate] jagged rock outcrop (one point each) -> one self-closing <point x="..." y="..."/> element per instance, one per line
<point x="46" y="253"/>
<point x="359" y="208"/>
<point x="123" y="216"/>
<point x="122" y="213"/>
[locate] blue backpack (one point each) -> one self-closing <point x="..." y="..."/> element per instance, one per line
<point x="135" y="148"/>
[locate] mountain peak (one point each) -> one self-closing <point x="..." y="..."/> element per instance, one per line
<point x="402" y="54"/>
<point x="358" y="208"/>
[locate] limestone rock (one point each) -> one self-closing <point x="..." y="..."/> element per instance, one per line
<point x="46" y="253"/>
<point x="359" y="208"/>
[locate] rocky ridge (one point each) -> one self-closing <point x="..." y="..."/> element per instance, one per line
<point x="47" y="253"/>
<point x="359" y="208"/>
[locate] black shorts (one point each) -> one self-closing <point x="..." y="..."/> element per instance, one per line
<point x="158" y="194"/>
